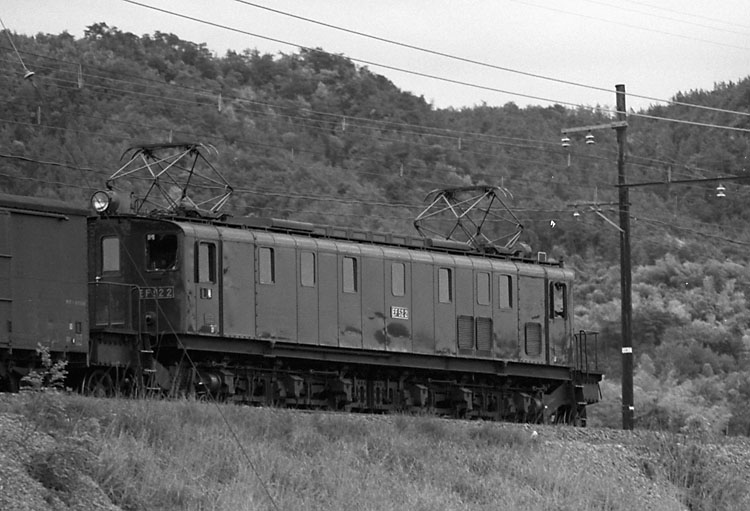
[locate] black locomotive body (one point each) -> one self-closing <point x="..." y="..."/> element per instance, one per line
<point x="289" y="314"/>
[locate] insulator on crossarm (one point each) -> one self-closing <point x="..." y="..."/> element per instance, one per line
<point x="590" y="139"/>
<point x="720" y="191"/>
<point x="565" y="141"/>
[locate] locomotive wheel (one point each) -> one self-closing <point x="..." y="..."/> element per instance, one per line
<point x="99" y="384"/>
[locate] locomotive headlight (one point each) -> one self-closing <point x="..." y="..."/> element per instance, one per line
<point x="104" y="202"/>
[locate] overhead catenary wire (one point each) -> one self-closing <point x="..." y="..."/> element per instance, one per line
<point x="622" y="7"/>
<point x="157" y="128"/>
<point x="412" y="72"/>
<point x="630" y="25"/>
<point x="478" y="62"/>
<point x="338" y="116"/>
<point x="28" y="72"/>
<point x="162" y="100"/>
<point x="324" y="113"/>
<point x="689" y="15"/>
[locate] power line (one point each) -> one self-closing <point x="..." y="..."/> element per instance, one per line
<point x="415" y="73"/>
<point x="687" y="14"/>
<point x="340" y="116"/>
<point x="337" y="116"/>
<point x="668" y="18"/>
<point x="629" y="25"/>
<point x="28" y="73"/>
<point x="477" y="62"/>
<point x="347" y="201"/>
<point x="693" y="231"/>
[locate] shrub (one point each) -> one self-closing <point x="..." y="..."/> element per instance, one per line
<point x="52" y="374"/>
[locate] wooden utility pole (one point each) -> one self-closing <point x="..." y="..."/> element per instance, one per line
<point x="628" y="409"/>
<point x="621" y="126"/>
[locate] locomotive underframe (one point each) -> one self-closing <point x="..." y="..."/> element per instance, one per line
<point x="279" y="374"/>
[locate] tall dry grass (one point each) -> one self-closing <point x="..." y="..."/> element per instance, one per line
<point x="182" y="455"/>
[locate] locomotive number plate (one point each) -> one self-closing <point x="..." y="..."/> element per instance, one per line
<point x="399" y="312"/>
<point x="158" y="293"/>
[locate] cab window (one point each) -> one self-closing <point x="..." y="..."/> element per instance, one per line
<point x="161" y="251"/>
<point x="398" y="280"/>
<point x="110" y="254"/>
<point x="350" y="274"/>
<point x="505" y="291"/>
<point x="558" y="300"/>
<point x="484" y="295"/>
<point x="266" y="265"/>
<point x="206" y="262"/>
<point x="445" y="285"/>
<point x="307" y="269"/>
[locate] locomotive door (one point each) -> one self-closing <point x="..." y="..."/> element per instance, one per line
<point x="207" y="287"/>
<point x="559" y="323"/>
<point x="445" y="309"/>
<point x="398" y="321"/>
<point x="6" y="291"/>
<point x="532" y="309"/>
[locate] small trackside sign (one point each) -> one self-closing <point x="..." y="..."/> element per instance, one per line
<point x="399" y="312"/>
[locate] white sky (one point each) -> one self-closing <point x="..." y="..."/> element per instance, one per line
<point x="655" y="47"/>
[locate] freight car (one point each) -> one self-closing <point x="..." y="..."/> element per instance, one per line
<point x="285" y="313"/>
<point x="43" y="284"/>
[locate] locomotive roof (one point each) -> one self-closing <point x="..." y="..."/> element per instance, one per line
<point x="359" y="236"/>
<point x="40" y="205"/>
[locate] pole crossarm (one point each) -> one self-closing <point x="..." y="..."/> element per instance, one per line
<point x="609" y="125"/>
<point x="685" y="181"/>
<point x="594" y="208"/>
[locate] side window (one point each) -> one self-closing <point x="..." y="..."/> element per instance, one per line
<point x="505" y="292"/>
<point x="484" y="296"/>
<point x="110" y="254"/>
<point x="350" y="275"/>
<point x="161" y="251"/>
<point x="445" y="285"/>
<point x="266" y="265"/>
<point x="398" y="273"/>
<point x="206" y="262"/>
<point x="307" y="269"/>
<point x="558" y="300"/>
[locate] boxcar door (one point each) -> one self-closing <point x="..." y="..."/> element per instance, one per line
<point x="207" y="286"/>
<point x="6" y="292"/>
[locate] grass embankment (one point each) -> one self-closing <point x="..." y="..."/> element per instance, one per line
<point x="166" y="455"/>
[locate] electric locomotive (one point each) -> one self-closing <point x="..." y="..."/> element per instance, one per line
<point x="184" y="300"/>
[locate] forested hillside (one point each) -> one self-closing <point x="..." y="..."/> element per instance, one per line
<point x="311" y="136"/>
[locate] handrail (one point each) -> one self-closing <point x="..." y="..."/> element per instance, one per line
<point x="582" y="350"/>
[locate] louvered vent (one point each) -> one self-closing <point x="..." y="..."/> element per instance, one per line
<point x="466" y="332"/>
<point x="484" y="334"/>
<point x="533" y="337"/>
